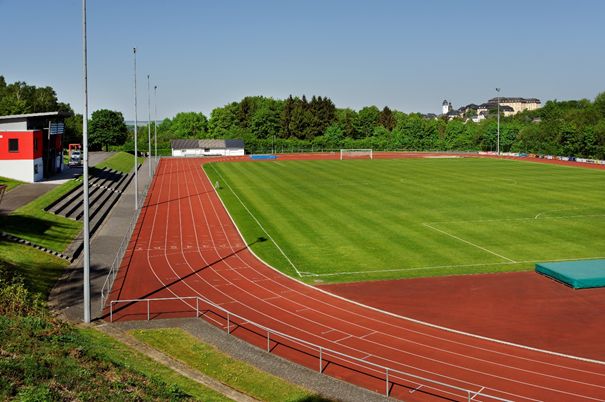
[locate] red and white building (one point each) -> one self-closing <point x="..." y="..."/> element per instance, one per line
<point x="31" y="145"/>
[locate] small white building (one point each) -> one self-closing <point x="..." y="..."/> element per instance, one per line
<point x="193" y="148"/>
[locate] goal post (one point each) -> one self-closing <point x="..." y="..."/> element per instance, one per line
<point x="356" y="154"/>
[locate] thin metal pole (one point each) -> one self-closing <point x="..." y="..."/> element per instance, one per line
<point x="387" y="377"/>
<point x="197" y="307"/>
<point x="149" y="126"/>
<point x="148" y="302"/>
<point x="85" y="173"/>
<point x="155" y="122"/>
<point x="268" y="341"/>
<point x="228" y="324"/>
<point x="136" y="133"/>
<point x="498" y="142"/>
<point x="320" y="361"/>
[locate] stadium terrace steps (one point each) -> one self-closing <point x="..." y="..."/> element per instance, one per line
<point x="105" y="188"/>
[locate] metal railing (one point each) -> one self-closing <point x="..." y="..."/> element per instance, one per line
<point x="390" y="375"/>
<point x="115" y="265"/>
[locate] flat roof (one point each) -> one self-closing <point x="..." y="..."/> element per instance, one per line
<point x="28" y="115"/>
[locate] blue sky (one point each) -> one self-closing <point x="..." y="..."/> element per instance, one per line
<point x="409" y="55"/>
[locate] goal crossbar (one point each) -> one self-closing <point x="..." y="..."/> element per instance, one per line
<point x="355" y="153"/>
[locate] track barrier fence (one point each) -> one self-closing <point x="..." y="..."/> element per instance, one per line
<point x="115" y="265"/>
<point x="230" y="321"/>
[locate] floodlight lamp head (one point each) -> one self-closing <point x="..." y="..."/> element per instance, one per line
<point x="498" y="89"/>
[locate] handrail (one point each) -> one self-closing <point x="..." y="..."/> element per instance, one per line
<point x="388" y="372"/>
<point x="115" y="265"/>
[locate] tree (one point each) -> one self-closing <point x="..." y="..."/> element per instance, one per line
<point x="367" y="119"/>
<point x="189" y="125"/>
<point x="386" y="119"/>
<point x="223" y="120"/>
<point x="106" y="128"/>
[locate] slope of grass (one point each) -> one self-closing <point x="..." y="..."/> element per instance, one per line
<point x="121" y="161"/>
<point x="239" y="375"/>
<point x="9" y="183"/>
<point x="32" y="223"/>
<point x="38" y="270"/>
<point x="379" y="219"/>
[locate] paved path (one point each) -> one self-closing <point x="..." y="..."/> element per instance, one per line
<point x="23" y="194"/>
<point x="67" y="294"/>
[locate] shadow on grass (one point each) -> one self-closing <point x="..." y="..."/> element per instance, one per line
<point x="39" y="271"/>
<point x="35" y="230"/>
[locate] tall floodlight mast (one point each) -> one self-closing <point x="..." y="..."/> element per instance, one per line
<point x="86" y="262"/>
<point x="155" y="123"/>
<point x="148" y="126"/>
<point x="136" y="123"/>
<point x="498" y="141"/>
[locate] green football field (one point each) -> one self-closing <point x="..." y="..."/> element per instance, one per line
<point x="333" y="221"/>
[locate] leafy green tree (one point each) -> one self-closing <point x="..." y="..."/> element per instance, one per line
<point x="189" y="125"/>
<point x="223" y="120"/>
<point x="386" y="119"/>
<point x="266" y="120"/>
<point x="366" y="120"/>
<point x="73" y="130"/>
<point x="106" y="128"/>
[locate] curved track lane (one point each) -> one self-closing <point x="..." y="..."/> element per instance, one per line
<point x="185" y="244"/>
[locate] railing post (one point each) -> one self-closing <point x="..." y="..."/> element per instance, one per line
<point x="320" y="361"/>
<point x="469" y="396"/>
<point x="268" y="341"/>
<point x="387" y="378"/>
<point x="228" y="324"/>
<point x="197" y="307"/>
<point x="147" y="309"/>
<point x="111" y="311"/>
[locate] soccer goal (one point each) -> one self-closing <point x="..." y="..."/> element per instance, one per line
<point x="355" y="154"/>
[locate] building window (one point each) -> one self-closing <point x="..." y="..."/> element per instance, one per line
<point x="13" y="145"/>
<point x="35" y="168"/>
<point x="206" y="149"/>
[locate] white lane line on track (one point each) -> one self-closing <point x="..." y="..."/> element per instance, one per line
<point x="468" y="242"/>
<point x="328" y="331"/>
<point x="368" y="334"/>
<point x="344" y="338"/>
<point x="466" y="345"/>
<point x="282" y="285"/>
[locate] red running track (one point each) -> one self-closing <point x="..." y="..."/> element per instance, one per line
<point x="185" y="244"/>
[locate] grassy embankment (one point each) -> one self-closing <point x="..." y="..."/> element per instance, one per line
<point x="248" y="379"/>
<point x="9" y="183"/>
<point x="121" y="161"/>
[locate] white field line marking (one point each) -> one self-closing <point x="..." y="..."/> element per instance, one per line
<point x="554" y="210"/>
<point x="456" y="266"/>
<point x="256" y="220"/>
<point x="520" y="219"/>
<point x="468" y="242"/>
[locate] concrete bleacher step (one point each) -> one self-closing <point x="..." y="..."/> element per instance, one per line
<point x="100" y="211"/>
<point x="60" y="204"/>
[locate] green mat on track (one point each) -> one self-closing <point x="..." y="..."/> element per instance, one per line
<point x="577" y="274"/>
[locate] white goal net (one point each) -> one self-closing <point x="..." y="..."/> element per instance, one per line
<point x="355" y="154"/>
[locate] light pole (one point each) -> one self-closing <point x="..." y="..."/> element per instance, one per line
<point x="136" y="132"/>
<point x="155" y="123"/>
<point x="86" y="261"/>
<point x="149" y="126"/>
<point x="498" y="141"/>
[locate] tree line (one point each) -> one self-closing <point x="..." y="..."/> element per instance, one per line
<point x="568" y="128"/>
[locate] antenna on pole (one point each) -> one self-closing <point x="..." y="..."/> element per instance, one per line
<point x="136" y="123"/>
<point x="86" y="261"/>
